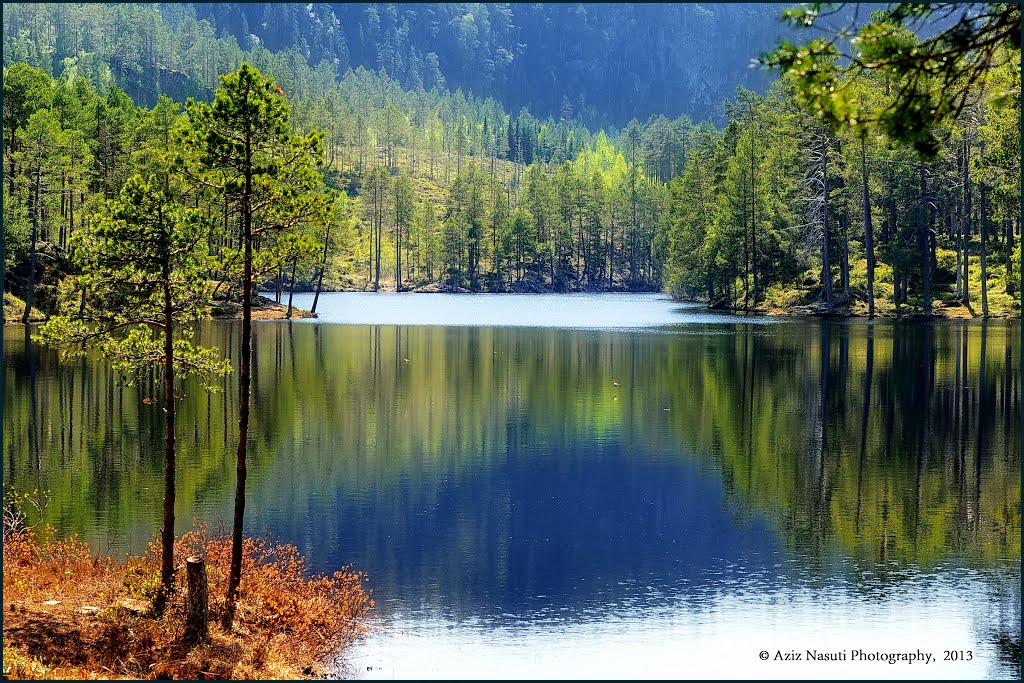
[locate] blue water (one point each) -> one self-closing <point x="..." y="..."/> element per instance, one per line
<point x="586" y="486"/>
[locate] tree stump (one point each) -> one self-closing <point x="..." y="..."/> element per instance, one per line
<point x="198" y="613"/>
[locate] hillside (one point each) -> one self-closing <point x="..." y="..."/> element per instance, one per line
<point x="600" y="64"/>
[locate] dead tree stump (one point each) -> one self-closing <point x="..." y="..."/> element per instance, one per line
<point x="198" y="613"/>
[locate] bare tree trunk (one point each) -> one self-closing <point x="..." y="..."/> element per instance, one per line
<point x="167" y="534"/>
<point x="1009" y="257"/>
<point x="965" y="226"/>
<point x="379" y="197"/>
<point x="826" y="267"/>
<point x="398" y="245"/>
<point x="198" y="613"/>
<point x="869" y="237"/>
<point x="291" y="290"/>
<point x="926" y="261"/>
<point x="844" y="271"/>
<point x="244" y="381"/>
<point x="32" y="259"/>
<point x="958" y="291"/>
<point x="984" y="266"/>
<point x="323" y="267"/>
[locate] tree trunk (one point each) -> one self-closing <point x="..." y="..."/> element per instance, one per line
<point x="379" y="195"/>
<point x="1009" y="257"/>
<point x="235" y="574"/>
<point x="826" y="266"/>
<point x="869" y="237"/>
<point x="32" y="259"/>
<point x="753" y="225"/>
<point x="958" y="291"/>
<point x="291" y="289"/>
<point x="845" y="265"/>
<point x="198" y="612"/>
<point x="323" y="267"/>
<point x="746" y="254"/>
<point x="167" y="534"/>
<point x="984" y="267"/>
<point x="965" y="227"/>
<point x="398" y="246"/>
<point x="922" y="242"/>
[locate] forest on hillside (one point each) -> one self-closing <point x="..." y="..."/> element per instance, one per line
<point x="600" y="64"/>
<point x="426" y="187"/>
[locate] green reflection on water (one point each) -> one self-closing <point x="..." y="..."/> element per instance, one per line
<point x="893" y="444"/>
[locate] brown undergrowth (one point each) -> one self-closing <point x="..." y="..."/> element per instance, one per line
<point x="71" y="613"/>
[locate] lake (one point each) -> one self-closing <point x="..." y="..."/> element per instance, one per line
<point x="587" y="486"/>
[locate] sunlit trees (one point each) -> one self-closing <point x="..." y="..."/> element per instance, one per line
<point x="43" y="159"/>
<point x="250" y="155"/>
<point x="142" y="264"/>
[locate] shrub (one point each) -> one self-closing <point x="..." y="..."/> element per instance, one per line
<point x="319" y="615"/>
<point x="289" y="624"/>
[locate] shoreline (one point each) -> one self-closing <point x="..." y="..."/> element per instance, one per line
<point x="72" y="611"/>
<point x="267" y="309"/>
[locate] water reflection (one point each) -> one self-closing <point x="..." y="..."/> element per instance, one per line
<point x="502" y="476"/>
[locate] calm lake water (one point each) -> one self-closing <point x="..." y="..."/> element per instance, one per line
<point x="587" y="486"/>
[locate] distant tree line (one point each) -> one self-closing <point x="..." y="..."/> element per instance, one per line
<point x="793" y="200"/>
<point x="894" y="179"/>
<point x="602" y="64"/>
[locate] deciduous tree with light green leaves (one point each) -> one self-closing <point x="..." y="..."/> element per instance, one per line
<point x="933" y="78"/>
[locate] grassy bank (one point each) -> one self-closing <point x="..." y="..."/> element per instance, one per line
<point x="72" y="613"/>
<point x="14" y="308"/>
<point x="804" y="298"/>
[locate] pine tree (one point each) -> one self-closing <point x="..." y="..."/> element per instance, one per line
<point x="249" y="154"/>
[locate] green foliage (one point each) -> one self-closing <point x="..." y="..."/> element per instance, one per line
<point x="932" y="79"/>
<point x="26" y="90"/>
<point x="17" y="235"/>
<point x="450" y="189"/>
<point x="248" y="155"/>
<point x="799" y="172"/>
<point x="141" y="267"/>
<point x="22" y="510"/>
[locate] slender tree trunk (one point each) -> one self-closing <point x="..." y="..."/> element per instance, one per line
<point x="63" y="209"/>
<point x="826" y="266"/>
<point x="323" y="267"/>
<point x="291" y="289"/>
<point x="32" y="258"/>
<point x="379" y="196"/>
<point x="398" y="247"/>
<point x="984" y="265"/>
<point x="71" y="213"/>
<point x="958" y="292"/>
<point x="746" y="255"/>
<point x="965" y="226"/>
<point x="1009" y="256"/>
<point x="235" y="574"/>
<point x="869" y="246"/>
<point x="926" y="261"/>
<point x="167" y="534"/>
<point x="753" y="225"/>
<point x="844" y="223"/>
<point x="369" y="260"/>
